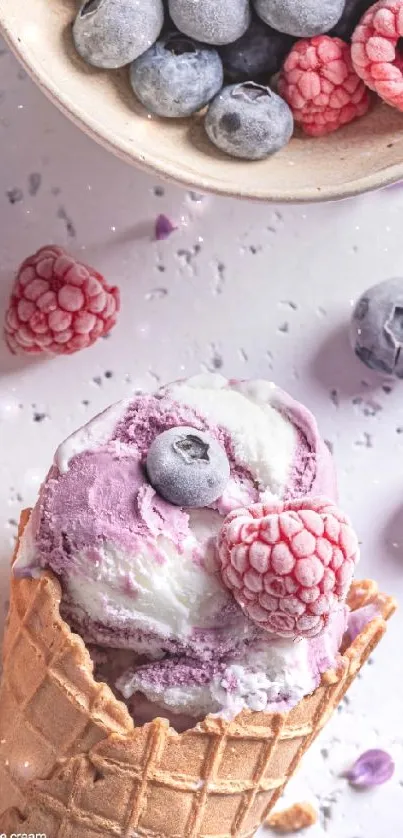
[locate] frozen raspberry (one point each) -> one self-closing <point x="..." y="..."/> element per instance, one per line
<point x="319" y="83"/>
<point x="58" y="305"/>
<point x="375" y="50"/>
<point x="288" y="565"/>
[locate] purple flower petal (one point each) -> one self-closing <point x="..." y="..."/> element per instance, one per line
<point x="163" y="227"/>
<point x="371" y="769"/>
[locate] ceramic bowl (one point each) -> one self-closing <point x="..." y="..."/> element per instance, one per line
<point x="365" y="155"/>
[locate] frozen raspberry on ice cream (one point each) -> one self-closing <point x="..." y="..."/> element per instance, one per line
<point x="58" y="305"/>
<point x="321" y="86"/>
<point x="375" y="50"/>
<point x="288" y="565"/>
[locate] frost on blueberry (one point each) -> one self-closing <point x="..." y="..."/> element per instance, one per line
<point x="377" y="327"/>
<point x="301" y="18"/>
<point x="187" y="467"/>
<point x="249" y="121"/>
<point x="257" y="55"/>
<point x="177" y="76"/>
<point x="211" y="21"/>
<point x="112" y="33"/>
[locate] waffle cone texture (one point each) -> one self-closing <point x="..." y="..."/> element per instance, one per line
<point x="72" y="764"/>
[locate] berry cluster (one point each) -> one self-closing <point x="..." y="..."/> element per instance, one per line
<point x="224" y="55"/>
<point x="288" y="564"/>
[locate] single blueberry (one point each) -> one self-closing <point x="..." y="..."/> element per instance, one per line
<point x="301" y="18"/>
<point x="177" y="76"/>
<point x="256" y="55"/>
<point x="249" y="121"/>
<point x="112" y="33"/>
<point x="187" y="467"/>
<point x="377" y="327"/>
<point x="352" y="14"/>
<point x="211" y="21"/>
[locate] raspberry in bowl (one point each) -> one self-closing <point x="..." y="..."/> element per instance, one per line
<point x="347" y="124"/>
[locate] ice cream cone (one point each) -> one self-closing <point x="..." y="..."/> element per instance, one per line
<point x="72" y="765"/>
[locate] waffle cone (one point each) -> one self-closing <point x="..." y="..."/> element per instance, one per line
<point x="72" y="765"/>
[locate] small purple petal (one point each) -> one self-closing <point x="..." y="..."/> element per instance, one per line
<point x="164" y="227"/>
<point x="371" y="769"/>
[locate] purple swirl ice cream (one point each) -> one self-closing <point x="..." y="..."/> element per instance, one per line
<point x="139" y="569"/>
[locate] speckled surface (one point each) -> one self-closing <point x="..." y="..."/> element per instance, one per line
<point x="242" y="288"/>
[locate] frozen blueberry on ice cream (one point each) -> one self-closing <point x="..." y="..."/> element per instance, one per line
<point x="187" y="467"/>
<point x="133" y="518"/>
<point x="112" y="33"/>
<point x="177" y="76"/>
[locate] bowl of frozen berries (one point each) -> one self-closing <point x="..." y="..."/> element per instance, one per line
<point x="284" y="100"/>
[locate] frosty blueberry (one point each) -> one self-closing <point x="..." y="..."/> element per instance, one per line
<point x="177" y="76"/>
<point x="187" y="467"/>
<point x="112" y="33"/>
<point x="256" y="55"/>
<point x="249" y="121"/>
<point x="377" y="327"/>
<point x="211" y="21"/>
<point x="302" y="18"/>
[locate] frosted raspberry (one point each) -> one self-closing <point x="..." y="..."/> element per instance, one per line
<point x="319" y="83"/>
<point x="375" y="50"/>
<point x="58" y="305"/>
<point x="288" y="564"/>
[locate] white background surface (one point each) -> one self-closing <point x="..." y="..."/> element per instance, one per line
<point x="261" y="291"/>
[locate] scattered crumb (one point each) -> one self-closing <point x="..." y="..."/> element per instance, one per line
<point x="297" y="817"/>
<point x="334" y="397"/>
<point x="70" y="228"/>
<point x="15" y="195"/>
<point x="366" y="441"/>
<point x="34" y="183"/>
<point x="219" y="278"/>
<point x="289" y="304"/>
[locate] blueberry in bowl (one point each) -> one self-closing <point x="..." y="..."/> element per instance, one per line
<point x="110" y="34"/>
<point x="249" y="121"/>
<point x="257" y="55"/>
<point x="177" y="76"/>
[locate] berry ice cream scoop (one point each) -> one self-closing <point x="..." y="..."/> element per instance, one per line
<point x="130" y="518"/>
